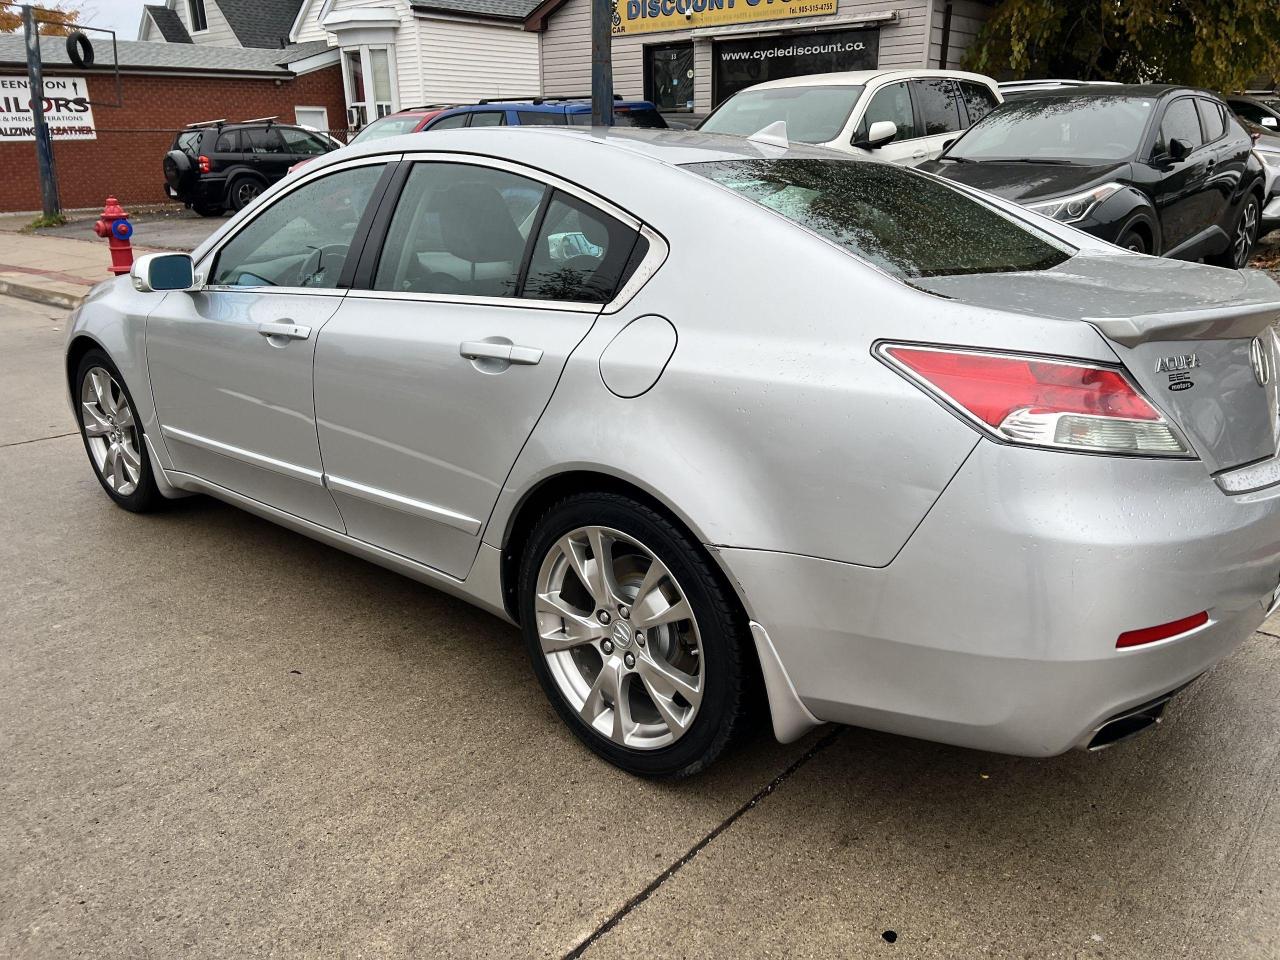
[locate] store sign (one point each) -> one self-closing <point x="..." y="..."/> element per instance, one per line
<point x="651" y="16"/>
<point x="743" y="63"/>
<point x="66" y="109"/>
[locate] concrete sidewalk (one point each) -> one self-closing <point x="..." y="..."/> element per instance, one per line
<point x="51" y="270"/>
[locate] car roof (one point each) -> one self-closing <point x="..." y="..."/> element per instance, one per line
<point x="1151" y="90"/>
<point x="860" y="78"/>
<point x="547" y="105"/>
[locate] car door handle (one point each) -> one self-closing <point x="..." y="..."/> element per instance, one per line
<point x="512" y="353"/>
<point x="290" y="331"/>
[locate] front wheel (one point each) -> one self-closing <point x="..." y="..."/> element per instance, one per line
<point x="112" y="434"/>
<point x="1133" y="241"/>
<point x="633" y="636"/>
<point x="1243" y="237"/>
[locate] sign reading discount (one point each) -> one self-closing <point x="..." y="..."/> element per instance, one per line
<point x="651" y="16"/>
<point x="66" y="109"/>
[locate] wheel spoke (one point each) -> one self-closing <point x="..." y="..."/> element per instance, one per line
<point x="594" y="570"/>
<point x="657" y="610"/>
<point x="101" y="382"/>
<point x="95" y="424"/>
<point x="124" y="416"/>
<point x="663" y="680"/>
<point x="111" y="466"/>
<point x="572" y="630"/>
<point x="667" y="709"/>
<point x="131" y="461"/>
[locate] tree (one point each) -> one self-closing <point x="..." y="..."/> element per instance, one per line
<point x="56" y="21"/>
<point x="1219" y="44"/>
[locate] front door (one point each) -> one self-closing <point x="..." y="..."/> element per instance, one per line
<point x="892" y="102"/>
<point x="429" y="382"/>
<point x="231" y="365"/>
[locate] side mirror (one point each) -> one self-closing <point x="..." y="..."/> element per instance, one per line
<point x="947" y="145"/>
<point x="164" y="272"/>
<point x="1179" y="149"/>
<point x="881" y="132"/>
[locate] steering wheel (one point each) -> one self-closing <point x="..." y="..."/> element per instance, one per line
<point x="320" y="262"/>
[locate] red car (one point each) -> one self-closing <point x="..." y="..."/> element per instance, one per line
<point x="410" y="120"/>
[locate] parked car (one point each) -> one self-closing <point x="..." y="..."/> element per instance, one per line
<point x="1266" y="146"/>
<point x="903" y="116"/>
<point x="953" y="470"/>
<point x="410" y="120"/>
<point x="1155" y="169"/>
<point x="219" y="165"/>
<point x="1262" y="109"/>
<point x="544" y="112"/>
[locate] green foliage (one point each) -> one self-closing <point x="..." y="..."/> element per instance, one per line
<point x="57" y="220"/>
<point x="1219" y="44"/>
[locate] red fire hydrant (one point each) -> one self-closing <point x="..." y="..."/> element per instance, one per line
<point x="115" y="226"/>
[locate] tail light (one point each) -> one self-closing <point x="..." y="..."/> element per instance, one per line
<point x="1063" y="404"/>
<point x="202" y="163"/>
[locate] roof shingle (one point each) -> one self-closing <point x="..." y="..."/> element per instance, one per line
<point x="169" y="24"/>
<point x="178" y="57"/>
<point x="493" y="9"/>
<point x="260" y="23"/>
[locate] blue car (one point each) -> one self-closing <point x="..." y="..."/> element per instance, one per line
<point x="545" y="111"/>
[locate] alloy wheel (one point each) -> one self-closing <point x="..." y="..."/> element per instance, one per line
<point x="620" y="638"/>
<point x="1246" y="234"/>
<point x="246" y="193"/>
<point x="111" y="431"/>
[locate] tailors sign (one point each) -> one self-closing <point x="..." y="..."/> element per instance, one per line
<point x="651" y="16"/>
<point x="66" y="109"/>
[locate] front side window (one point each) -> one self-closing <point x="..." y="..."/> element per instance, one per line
<point x="907" y="224"/>
<point x="812" y="114"/>
<point x="262" y="140"/>
<point x="580" y="253"/>
<point x="892" y="103"/>
<point x="978" y="99"/>
<point x="301" y="240"/>
<point x="301" y="143"/>
<point x="391" y="126"/>
<point x="1180" y="123"/>
<point x="939" y="103"/>
<point x="1072" y="128"/>
<point x="459" y="229"/>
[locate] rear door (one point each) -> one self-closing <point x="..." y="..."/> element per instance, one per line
<point x="429" y="379"/>
<point x="1228" y="147"/>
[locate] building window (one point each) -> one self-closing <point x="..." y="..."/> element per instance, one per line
<point x="198" y="20"/>
<point x="369" y="84"/>
<point x="668" y="76"/>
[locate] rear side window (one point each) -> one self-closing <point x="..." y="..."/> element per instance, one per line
<point x="939" y="104"/>
<point x="537" y="118"/>
<point x="625" y="117"/>
<point x="580" y="254"/>
<point x="1180" y="123"/>
<point x="978" y="99"/>
<point x="228" y="142"/>
<point x="892" y="103"/>
<point x="905" y="223"/>
<point x="1212" y="119"/>
<point x="488" y="118"/>
<point x="459" y="229"/>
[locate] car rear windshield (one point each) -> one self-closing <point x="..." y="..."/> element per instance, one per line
<point x="812" y="114"/>
<point x="907" y="224"/>
<point x="1079" y="129"/>
<point x="626" y="117"/>
<point x="386" y="127"/>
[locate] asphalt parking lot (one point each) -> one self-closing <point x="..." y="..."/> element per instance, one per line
<point x="220" y="739"/>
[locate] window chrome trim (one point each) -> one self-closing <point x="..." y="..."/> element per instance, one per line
<point x="572" y="306"/>
<point x="653" y="260"/>
<point x="305" y="177"/>
<point x="416" y="508"/>
<point x="291" y="470"/>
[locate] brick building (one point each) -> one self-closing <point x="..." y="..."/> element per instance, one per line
<point x="163" y="87"/>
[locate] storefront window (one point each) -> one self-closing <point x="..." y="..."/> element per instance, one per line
<point x="668" y="76"/>
<point x="743" y="63"/>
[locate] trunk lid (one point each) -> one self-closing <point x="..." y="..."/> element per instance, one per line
<point x="1198" y="340"/>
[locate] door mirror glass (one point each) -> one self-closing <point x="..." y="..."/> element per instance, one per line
<point x="162" y="272"/>
<point x="880" y="133"/>
<point x="1179" y="149"/>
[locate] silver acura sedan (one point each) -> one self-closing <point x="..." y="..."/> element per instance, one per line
<point x="725" y="427"/>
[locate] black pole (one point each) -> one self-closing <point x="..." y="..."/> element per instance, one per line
<point x="946" y="37"/>
<point x="602" y="63"/>
<point x="44" y="145"/>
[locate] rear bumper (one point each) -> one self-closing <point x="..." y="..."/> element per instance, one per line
<point x="995" y="627"/>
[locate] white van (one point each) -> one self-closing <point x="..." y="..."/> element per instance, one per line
<point x="903" y="116"/>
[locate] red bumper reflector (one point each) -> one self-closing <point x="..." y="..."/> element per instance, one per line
<point x="1136" y="638"/>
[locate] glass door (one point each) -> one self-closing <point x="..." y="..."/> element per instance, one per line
<point x="669" y="75"/>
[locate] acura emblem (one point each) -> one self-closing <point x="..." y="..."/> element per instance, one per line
<point x="1261" y="361"/>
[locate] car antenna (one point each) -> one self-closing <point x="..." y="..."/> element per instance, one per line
<point x="775" y="134"/>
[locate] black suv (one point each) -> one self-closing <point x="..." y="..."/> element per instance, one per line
<point x="1155" y="169"/>
<point x="213" y="166"/>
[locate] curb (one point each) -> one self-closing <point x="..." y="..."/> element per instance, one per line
<point x="50" y="298"/>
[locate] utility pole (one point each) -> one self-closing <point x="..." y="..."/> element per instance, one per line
<point x="44" y="145"/>
<point x="602" y="63"/>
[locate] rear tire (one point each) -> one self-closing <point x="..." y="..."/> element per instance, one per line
<point x="112" y="434"/>
<point x="243" y="191"/>
<point x="683" y="680"/>
<point x="1244" y="235"/>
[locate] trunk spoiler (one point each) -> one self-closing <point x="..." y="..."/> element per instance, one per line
<point x="1256" y="308"/>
